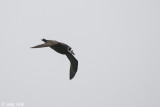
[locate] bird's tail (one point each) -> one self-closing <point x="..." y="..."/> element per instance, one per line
<point x="73" y="66"/>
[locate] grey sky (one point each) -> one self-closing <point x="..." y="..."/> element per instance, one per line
<point x="116" y="43"/>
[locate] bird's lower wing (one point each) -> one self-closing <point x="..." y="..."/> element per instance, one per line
<point x="74" y="65"/>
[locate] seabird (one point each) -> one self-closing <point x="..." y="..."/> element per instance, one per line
<point x="64" y="49"/>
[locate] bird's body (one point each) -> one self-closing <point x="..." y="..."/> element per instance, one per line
<point x="64" y="49"/>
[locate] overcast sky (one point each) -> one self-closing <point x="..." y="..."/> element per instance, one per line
<point x="117" y="44"/>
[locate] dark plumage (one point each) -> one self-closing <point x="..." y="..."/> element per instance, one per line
<point x="62" y="49"/>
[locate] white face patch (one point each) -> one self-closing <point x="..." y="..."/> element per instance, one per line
<point x="70" y="50"/>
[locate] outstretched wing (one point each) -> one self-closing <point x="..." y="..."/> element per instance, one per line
<point x="74" y="65"/>
<point x="41" y="46"/>
<point x="47" y="44"/>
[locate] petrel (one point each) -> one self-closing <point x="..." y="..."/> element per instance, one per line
<point x="64" y="49"/>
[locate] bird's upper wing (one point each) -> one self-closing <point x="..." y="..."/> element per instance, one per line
<point x="47" y="44"/>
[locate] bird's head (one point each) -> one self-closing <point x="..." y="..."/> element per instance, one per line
<point x="44" y="40"/>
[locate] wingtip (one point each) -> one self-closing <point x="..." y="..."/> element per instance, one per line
<point x="71" y="78"/>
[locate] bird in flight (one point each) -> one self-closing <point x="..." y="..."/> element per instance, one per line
<point x="64" y="49"/>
